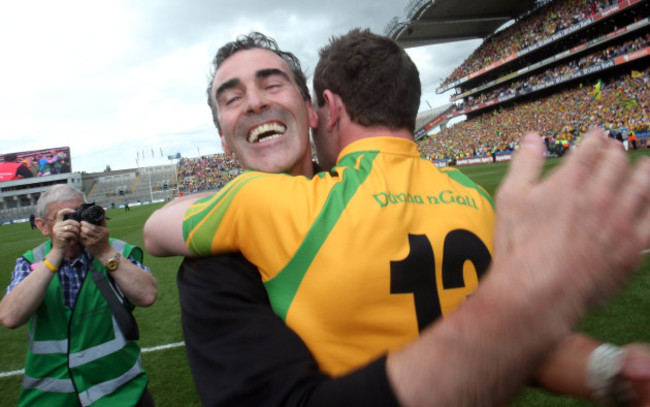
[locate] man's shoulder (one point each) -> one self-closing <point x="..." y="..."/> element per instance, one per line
<point x="251" y="189"/>
<point x="252" y="185"/>
<point x="35" y="254"/>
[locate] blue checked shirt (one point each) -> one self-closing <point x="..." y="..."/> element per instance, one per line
<point x="71" y="274"/>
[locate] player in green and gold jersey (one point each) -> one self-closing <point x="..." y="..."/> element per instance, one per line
<point x="425" y="234"/>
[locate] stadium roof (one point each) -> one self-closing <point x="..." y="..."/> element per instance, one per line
<point x="427" y="116"/>
<point x="437" y="21"/>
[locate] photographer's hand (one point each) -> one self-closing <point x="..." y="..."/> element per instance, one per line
<point x="64" y="232"/>
<point x="95" y="239"/>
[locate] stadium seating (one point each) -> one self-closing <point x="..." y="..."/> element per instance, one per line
<point x="557" y="55"/>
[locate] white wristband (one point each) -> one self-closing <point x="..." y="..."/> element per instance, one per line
<point x="603" y="365"/>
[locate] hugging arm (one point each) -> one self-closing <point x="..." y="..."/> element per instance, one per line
<point x="163" y="231"/>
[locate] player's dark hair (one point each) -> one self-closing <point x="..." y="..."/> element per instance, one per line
<point x="376" y="79"/>
<point x="251" y="41"/>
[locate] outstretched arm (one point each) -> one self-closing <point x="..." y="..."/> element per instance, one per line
<point x="163" y="231"/>
<point x="565" y="369"/>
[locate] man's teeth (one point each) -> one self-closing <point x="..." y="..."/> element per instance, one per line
<point x="266" y="131"/>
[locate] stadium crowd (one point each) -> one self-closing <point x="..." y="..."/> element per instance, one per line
<point x="210" y="172"/>
<point x="524" y="86"/>
<point x="623" y="107"/>
<point x="207" y="172"/>
<point x="551" y="18"/>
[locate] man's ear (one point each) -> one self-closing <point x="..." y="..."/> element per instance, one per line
<point x="333" y="106"/>
<point x="312" y="116"/>
<point x="42" y="226"/>
<point x="224" y="144"/>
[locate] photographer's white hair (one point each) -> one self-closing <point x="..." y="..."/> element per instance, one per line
<point x="57" y="193"/>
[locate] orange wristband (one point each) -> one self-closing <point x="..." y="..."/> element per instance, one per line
<point x="50" y="265"/>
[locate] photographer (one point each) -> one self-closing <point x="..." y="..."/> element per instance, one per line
<point x="77" y="291"/>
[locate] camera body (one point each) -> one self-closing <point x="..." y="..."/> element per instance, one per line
<point x="89" y="212"/>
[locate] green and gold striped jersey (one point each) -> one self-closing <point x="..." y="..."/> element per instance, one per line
<point x="357" y="261"/>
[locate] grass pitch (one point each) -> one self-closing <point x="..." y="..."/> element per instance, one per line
<point x="623" y="320"/>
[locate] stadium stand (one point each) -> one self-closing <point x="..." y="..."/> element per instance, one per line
<point x="431" y="118"/>
<point x="18" y="197"/>
<point x="540" y="73"/>
<point x="113" y="189"/>
<point x="110" y="189"/>
<point x="207" y="172"/>
<point x="433" y="22"/>
<point x="560" y="116"/>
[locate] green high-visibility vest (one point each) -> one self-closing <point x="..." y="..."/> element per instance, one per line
<point x="79" y="356"/>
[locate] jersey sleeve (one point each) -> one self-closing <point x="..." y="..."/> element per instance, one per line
<point x="208" y="223"/>
<point x="250" y="210"/>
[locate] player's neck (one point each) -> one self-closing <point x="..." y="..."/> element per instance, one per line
<point x="353" y="132"/>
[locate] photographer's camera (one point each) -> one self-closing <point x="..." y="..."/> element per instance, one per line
<point x="89" y="212"/>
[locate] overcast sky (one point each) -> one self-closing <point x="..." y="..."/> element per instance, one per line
<point x="114" y="78"/>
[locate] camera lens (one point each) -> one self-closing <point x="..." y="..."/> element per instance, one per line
<point x="91" y="213"/>
<point x="95" y="215"/>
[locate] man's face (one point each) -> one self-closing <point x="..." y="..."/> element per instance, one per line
<point x="263" y="117"/>
<point x="46" y="224"/>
